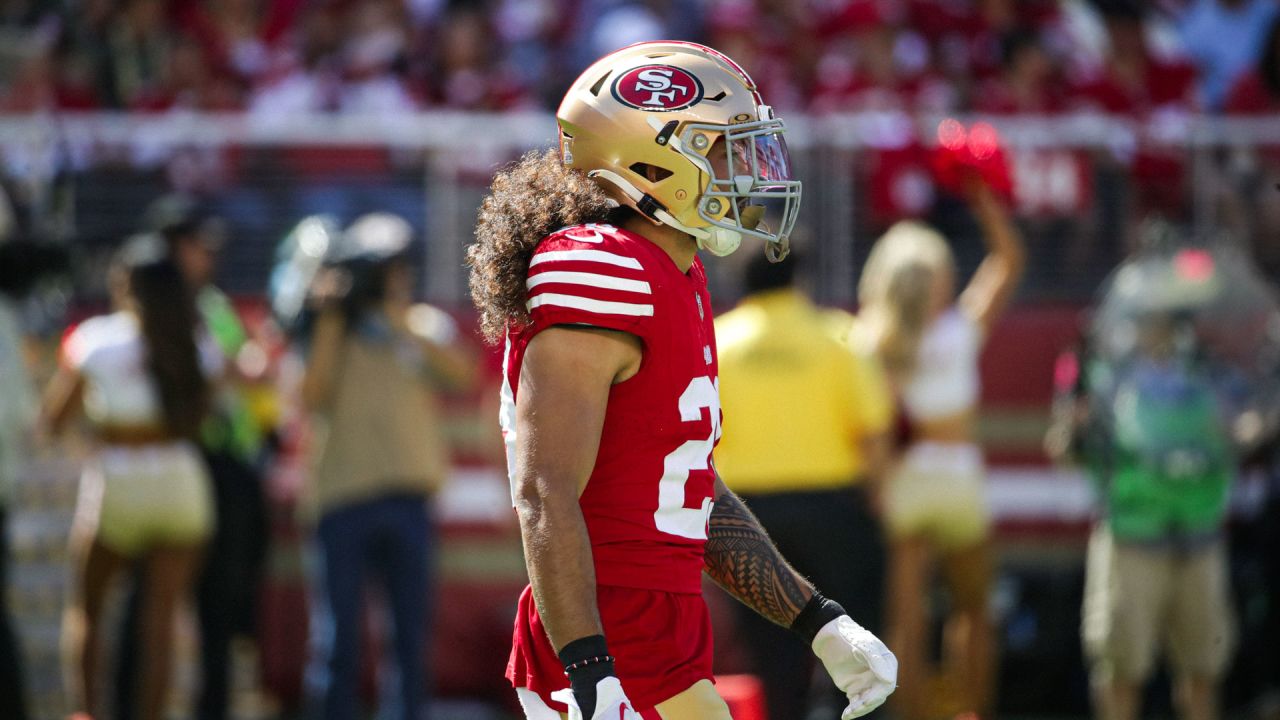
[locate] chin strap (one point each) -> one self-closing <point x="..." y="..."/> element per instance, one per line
<point x="715" y="240"/>
<point x="648" y="206"/>
<point x="777" y="251"/>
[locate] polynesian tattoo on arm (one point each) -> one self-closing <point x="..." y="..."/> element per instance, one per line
<point x="742" y="559"/>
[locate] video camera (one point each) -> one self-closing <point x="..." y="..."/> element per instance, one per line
<point x="319" y="263"/>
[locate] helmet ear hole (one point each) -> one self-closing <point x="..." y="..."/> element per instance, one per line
<point x="652" y="173"/>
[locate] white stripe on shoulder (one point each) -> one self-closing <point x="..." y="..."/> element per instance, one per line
<point x="603" y="307"/>
<point x="595" y="280"/>
<point x="599" y="256"/>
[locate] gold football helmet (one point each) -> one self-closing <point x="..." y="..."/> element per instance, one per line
<point x="643" y="121"/>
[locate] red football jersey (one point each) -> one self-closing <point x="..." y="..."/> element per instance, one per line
<point x="649" y="496"/>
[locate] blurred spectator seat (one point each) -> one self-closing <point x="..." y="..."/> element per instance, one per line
<point x="1224" y="37"/>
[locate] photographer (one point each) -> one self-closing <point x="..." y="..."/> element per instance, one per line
<point x="373" y="363"/>
<point x="1149" y="407"/>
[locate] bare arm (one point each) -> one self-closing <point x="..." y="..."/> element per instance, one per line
<point x="871" y="408"/>
<point x="564" y="389"/>
<point x="456" y="364"/>
<point x="877" y="452"/>
<point x="451" y="363"/>
<point x="994" y="283"/>
<point x="742" y="559"/>
<point x="322" y="360"/>
<point x="62" y="402"/>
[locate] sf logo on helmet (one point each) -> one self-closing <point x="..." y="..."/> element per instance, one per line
<point x="659" y="88"/>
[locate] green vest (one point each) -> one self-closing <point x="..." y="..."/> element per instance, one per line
<point x="1167" y="468"/>
<point x="231" y="428"/>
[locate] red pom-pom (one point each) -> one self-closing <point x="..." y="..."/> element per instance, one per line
<point x="963" y="154"/>
<point x="952" y="135"/>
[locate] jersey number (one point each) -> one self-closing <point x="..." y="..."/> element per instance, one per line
<point x="672" y="516"/>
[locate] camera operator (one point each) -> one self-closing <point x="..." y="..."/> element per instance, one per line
<point x="1157" y="406"/>
<point x="374" y="361"/>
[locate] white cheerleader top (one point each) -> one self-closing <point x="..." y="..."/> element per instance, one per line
<point x="109" y="352"/>
<point x="945" y="380"/>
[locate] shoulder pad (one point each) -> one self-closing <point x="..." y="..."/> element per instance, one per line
<point x="590" y="275"/>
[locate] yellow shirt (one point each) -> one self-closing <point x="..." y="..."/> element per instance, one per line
<point x="798" y="401"/>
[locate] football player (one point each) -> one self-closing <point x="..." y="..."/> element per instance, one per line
<point x="585" y="260"/>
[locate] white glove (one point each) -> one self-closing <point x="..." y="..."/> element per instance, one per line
<point x="861" y="666"/>
<point x="611" y="702"/>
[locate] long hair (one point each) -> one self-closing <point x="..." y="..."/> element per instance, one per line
<point x="167" y="316"/>
<point x="896" y="292"/>
<point x="528" y="200"/>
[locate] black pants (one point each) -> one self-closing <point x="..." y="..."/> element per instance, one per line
<point x="1269" y="549"/>
<point x="832" y="538"/>
<point x="12" y="692"/>
<point x="226" y="592"/>
<point x="389" y="542"/>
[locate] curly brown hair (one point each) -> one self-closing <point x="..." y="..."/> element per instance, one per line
<point x="529" y="199"/>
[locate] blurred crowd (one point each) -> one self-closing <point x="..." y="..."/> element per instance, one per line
<point x="1126" y="57"/>
<point x="1152" y="66"/>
